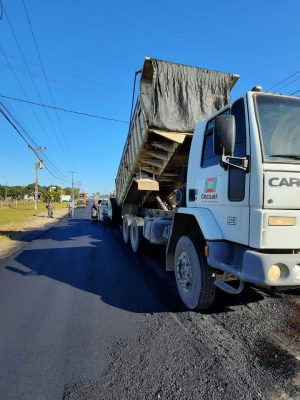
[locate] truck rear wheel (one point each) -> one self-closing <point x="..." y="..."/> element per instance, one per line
<point x="116" y="216"/>
<point x="136" y="234"/>
<point x="126" y="228"/>
<point x="193" y="275"/>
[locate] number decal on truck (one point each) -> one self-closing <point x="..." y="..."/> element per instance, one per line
<point x="231" y="221"/>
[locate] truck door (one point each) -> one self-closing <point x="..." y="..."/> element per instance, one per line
<point x="226" y="192"/>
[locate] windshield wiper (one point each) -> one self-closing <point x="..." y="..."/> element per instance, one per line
<point x="294" y="156"/>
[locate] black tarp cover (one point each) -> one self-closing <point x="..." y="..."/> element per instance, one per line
<point x="178" y="96"/>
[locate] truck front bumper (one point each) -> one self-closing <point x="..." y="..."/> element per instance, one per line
<point x="260" y="268"/>
<point x="271" y="269"/>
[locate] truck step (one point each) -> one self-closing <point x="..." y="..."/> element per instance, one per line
<point x="226" y="287"/>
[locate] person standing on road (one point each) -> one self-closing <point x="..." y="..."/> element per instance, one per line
<point x="50" y="209"/>
<point x="71" y="208"/>
<point x="99" y="210"/>
<point x="94" y="211"/>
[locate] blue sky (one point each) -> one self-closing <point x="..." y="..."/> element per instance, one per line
<point x="90" y="51"/>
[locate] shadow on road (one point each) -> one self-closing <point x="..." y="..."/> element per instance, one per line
<point x="92" y="258"/>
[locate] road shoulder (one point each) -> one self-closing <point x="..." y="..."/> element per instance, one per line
<point x="26" y="231"/>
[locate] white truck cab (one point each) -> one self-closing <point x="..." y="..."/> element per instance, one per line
<point x="242" y="201"/>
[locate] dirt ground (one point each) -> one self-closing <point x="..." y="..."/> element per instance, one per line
<point x="14" y="236"/>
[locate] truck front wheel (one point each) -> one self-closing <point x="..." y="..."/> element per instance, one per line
<point x="193" y="275"/>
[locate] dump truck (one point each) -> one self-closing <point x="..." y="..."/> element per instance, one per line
<point x="83" y="199"/>
<point x="222" y="195"/>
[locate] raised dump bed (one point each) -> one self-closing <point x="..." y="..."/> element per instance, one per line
<point x="172" y="98"/>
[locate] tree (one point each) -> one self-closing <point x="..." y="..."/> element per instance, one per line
<point x="68" y="191"/>
<point x="55" y="196"/>
<point x="46" y="196"/>
<point x="2" y="191"/>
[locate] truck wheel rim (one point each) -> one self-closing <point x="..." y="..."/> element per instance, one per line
<point x="184" y="272"/>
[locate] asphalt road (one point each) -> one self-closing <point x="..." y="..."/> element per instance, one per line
<point x="82" y="317"/>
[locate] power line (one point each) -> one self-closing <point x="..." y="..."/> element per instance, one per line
<point x="23" y="91"/>
<point x="1" y="10"/>
<point x="14" y="118"/>
<point x="297" y="91"/>
<point x="45" y="76"/>
<point x="284" y="80"/>
<point x="16" y="122"/>
<point x="288" y="84"/>
<point x="30" y="73"/>
<point x="64" y="109"/>
<point x="55" y="82"/>
<point x="25" y="133"/>
<point x="25" y="95"/>
<point x="63" y="73"/>
<point x="14" y="125"/>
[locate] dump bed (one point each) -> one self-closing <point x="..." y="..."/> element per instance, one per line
<point x="172" y="98"/>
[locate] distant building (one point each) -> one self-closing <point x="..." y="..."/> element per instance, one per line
<point x="65" y="197"/>
<point x="28" y="197"/>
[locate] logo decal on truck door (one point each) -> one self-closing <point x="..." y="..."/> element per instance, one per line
<point x="210" y="190"/>
<point x="210" y="185"/>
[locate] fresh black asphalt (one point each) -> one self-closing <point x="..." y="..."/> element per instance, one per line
<point x="83" y="318"/>
<point x="64" y="300"/>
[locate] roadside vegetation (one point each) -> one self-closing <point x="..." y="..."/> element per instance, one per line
<point x="19" y="192"/>
<point x="17" y="207"/>
<point x="16" y="214"/>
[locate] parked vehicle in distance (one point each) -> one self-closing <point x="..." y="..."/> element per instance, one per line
<point x="102" y="210"/>
<point x="83" y="195"/>
<point x="65" y="197"/>
<point x="81" y="203"/>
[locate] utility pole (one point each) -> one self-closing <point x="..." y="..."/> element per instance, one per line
<point x="5" y="190"/>
<point x="79" y="186"/>
<point x="73" y="172"/>
<point x="38" y="165"/>
<point x="61" y="190"/>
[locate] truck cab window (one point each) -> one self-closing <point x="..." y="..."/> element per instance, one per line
<point x="209" y="158"/>
<point x="237" y="177"/>
<point x="238" y="110"/>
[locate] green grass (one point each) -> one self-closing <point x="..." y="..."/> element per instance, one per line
<point x="22" y="212"/>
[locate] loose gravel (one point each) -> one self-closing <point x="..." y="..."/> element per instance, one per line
<point x="232" y="352"/>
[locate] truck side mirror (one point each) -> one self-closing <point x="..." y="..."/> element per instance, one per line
<point x="224" y="135"/>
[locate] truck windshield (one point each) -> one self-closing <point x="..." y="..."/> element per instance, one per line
<point x="279" y="122"/>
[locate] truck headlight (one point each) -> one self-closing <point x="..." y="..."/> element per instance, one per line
<point x="281" y="221"/>
<point x="275" y="272"/>
<point x="296" y="272"/>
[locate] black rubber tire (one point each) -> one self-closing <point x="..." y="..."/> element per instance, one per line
<point x="106" y="221"/>
<point x="116" y="212"/>
<point x="196" y="288"/>
<point x="126" y="223"/>
<point x="181" y="197"/>
<point x="136" y="234"/>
